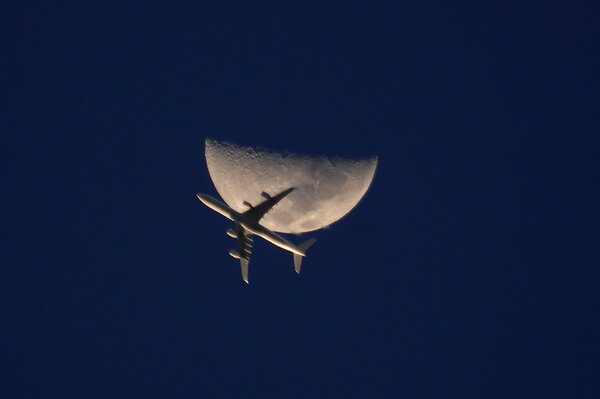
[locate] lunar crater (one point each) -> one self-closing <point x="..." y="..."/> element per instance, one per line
<point x="326" y="190"/>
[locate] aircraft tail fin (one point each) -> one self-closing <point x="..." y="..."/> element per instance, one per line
<point x="303" y="247"/>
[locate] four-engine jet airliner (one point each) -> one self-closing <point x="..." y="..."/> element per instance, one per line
<point x="247" y="224"/>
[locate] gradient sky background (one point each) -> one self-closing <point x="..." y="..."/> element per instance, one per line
<point x="469" y="270"/>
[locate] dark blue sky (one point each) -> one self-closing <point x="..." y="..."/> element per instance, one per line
<point x="469" y="270"/>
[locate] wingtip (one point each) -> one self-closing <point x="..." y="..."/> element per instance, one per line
<point x="289" y="190"/>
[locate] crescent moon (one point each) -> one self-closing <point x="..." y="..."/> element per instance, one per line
<point x="326" y="189"/>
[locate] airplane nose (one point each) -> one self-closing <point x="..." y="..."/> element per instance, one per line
<point x="206" y="199"/>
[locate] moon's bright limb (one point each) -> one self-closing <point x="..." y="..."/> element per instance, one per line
<point x="326" y="189"/>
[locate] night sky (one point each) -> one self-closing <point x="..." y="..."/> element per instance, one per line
<point x="469" y="270"/>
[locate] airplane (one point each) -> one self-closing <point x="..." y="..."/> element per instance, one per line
<point x="247" y="225"/>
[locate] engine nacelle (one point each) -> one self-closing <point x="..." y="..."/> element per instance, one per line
<point x="234" y="254"/>
<point x="231" y="233"/>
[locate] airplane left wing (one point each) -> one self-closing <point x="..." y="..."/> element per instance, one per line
<point x="258" y="211"/>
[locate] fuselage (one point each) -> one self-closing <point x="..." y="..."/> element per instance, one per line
<point x="218" y="206"/>
<point x="252" y="226"/>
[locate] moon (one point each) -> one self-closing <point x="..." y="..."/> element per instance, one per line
<point x="326" y="189"/>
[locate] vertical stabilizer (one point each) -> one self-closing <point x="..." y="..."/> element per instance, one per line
<point x="303" y="247"/>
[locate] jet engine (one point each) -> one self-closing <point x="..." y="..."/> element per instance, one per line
<point x="234" y="254"/>
<point x="231" y="233"/>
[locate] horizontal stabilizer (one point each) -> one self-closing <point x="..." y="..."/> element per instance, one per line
<point x="303" y="247"/>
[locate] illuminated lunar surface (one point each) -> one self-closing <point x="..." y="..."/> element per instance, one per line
<point x="326" y="189"/>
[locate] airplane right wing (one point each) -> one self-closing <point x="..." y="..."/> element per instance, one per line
<point x="245" y="249"/>
<point x="244" y="264"/>
<point x="245" y="245"/>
